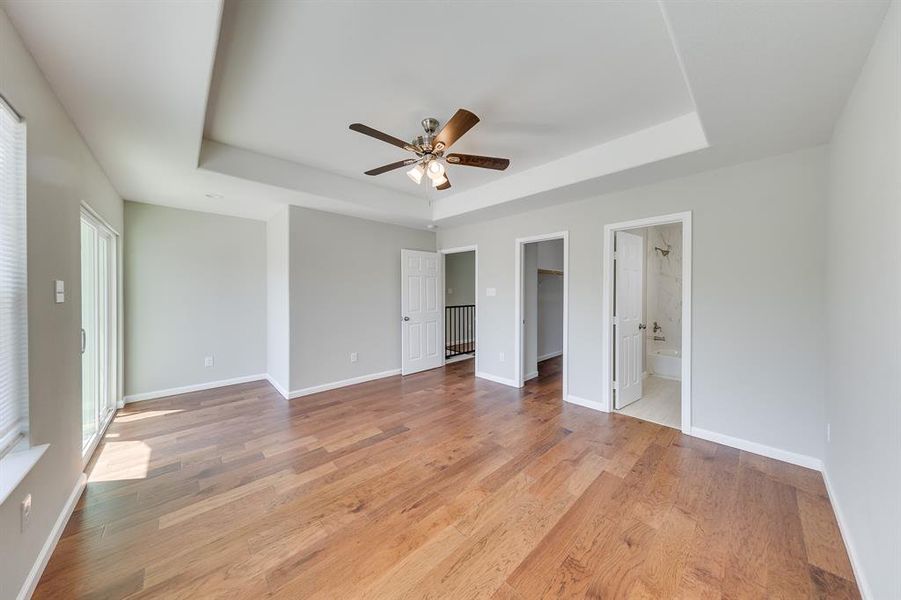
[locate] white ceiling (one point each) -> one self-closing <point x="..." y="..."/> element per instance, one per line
<point x="582" y="97"/>
<point x="546" y="82"/>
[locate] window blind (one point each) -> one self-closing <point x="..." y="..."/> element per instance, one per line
<point x="13" y="281"/>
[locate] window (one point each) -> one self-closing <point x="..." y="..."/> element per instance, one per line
<point x="13" y="282"/>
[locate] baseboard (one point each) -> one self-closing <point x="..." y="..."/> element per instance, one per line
<point x="529" y="376"/>
<point x="343" y="383"/>
<point x="458" y="358"/>
<point x="862" y="583"/>
<point x="592" y="404"/>
<point x="550" y="355"/>
<point x="496" y="379"/>
<point x="34" y="576"/>
<point x="193" y="388"/>
<point x="802" y="460"/>
<point x="279" y="388"/>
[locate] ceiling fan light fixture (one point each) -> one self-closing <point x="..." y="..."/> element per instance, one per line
<point x="416" y="174"/>
<point x="435" y="169"/>
<point x="438" y="181"/>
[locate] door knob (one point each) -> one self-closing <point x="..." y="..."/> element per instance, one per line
<point x="406" y="318"/>
<point x="642" y="326"/>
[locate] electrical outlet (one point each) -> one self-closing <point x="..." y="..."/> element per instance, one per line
<point x="208" y="362"/>
<point x="828" y="432"/>
<point x="26" y="512"/>
<point x="353" y="357"/>
<point x="502" y="357"/>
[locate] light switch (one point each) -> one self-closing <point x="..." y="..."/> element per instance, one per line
<point x="59" y="287"/>
<point x="491" y="292"/>
<point x="450" y="290"/>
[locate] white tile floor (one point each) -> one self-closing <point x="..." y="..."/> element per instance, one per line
<point x="660" y="402"/>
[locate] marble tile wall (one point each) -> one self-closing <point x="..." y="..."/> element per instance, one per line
<point x="664" y="286"/>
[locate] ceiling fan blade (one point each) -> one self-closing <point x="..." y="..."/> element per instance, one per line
<point x="484" y="162"/>
<point x="391" y="167"/>
<point x="453" y="130"/>
<point x="446" y="185"/>
<point x="366" y="130"/>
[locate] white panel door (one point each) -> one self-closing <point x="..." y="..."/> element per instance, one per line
<point x="629" y="329"/>
<point x="422" y="334"/>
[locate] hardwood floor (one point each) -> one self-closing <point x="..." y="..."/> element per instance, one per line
<point x="437" y="485"/>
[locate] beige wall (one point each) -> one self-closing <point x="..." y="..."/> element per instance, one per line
<point x="195" y="286"/>
<point x="863" y="271"/>
<point x="62" y="174"/>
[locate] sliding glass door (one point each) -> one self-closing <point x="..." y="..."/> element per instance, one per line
<point x="98" y="328"/>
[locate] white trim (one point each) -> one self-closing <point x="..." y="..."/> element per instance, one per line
<point x="607" y="307"/>
<point x="518" y="245"/>
<point x="530" y="376"/>
<point x="88" y="452"/>
<point x="862" y="584"/>
<point x="193" y="388"/>
<point x="802" y="460"/>
<point x="279" y="388"/>
<point x="96" y="215"/>
<point x="34" y="576"/>
<point x="496" y="379"/>
<point x="315" y="389"/>
<point x="15" y="465"/>
<point x="550" y="355"/>
<point x="593" y="404"/>
<point x="444" y="252"/>
<point x="659" y="376"/>
<point x="458" y="358"/>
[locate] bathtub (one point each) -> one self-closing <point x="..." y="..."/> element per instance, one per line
<point x="666" y="363"/>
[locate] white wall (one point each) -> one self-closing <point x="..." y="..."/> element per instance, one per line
<point x="863" y="269"/>
<point x="278" y="321"/>
<point x="195" y="286"/>
<point x="758" y="314"/>
<point x="345" y="295"/>
<point x="61" y="174"/>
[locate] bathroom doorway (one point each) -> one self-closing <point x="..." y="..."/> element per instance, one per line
<point x="647" y="299"/>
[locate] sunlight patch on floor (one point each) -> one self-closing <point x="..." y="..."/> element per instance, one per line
<point x="147" y="414"/>
<point x="121" y="460"/>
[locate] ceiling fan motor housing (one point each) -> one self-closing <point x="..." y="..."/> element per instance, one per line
<point x="430" y="124"/>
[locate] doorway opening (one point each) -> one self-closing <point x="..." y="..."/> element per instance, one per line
<point x="542" y="310"/>
<point x="99" y="329"/>
<point x="648" y="335"/>
<point x="460" y="311"/>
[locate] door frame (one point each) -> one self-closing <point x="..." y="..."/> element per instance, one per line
<point x="475" y="334"/>
<point x="519" y="245"/>
<point x="607" y="308"/>
<point x="115" y="318"/>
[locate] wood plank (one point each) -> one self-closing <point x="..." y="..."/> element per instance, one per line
<point x="436" y="485"/>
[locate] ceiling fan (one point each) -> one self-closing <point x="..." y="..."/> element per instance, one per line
<point x="430" y="148"/>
